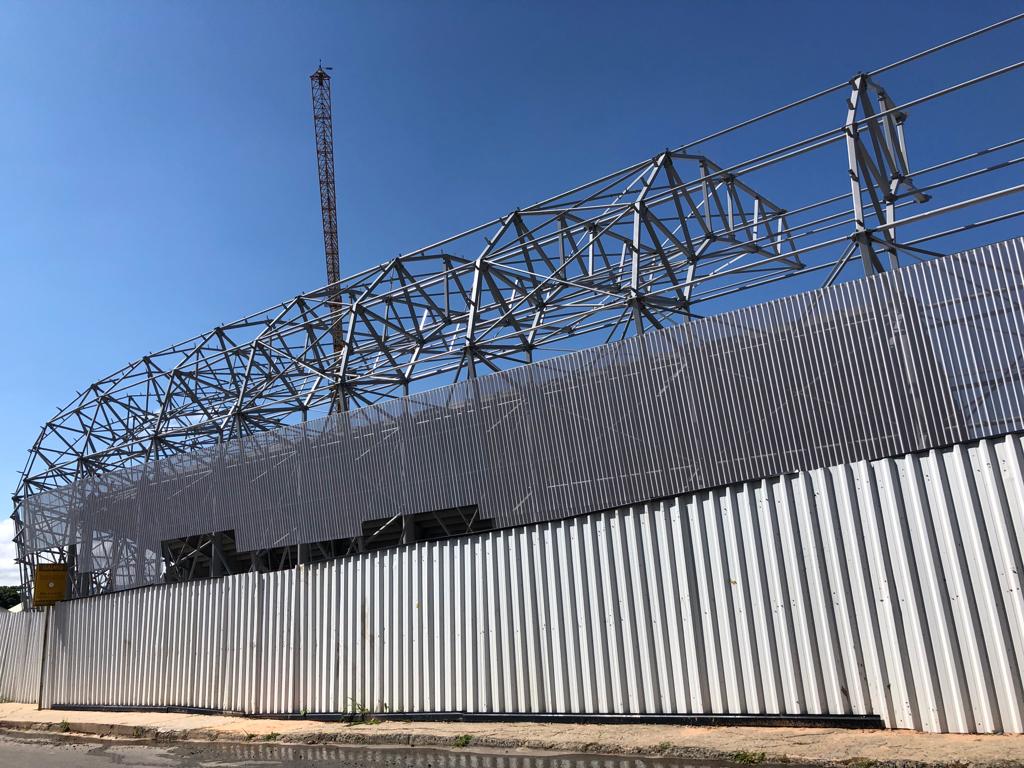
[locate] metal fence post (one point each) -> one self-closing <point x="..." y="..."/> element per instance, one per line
<point x="42" y="656"/>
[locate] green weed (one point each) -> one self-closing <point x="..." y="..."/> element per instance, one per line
<point x="748" y="758"/>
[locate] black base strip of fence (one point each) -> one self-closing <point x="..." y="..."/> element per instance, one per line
<point x="749" y="720"/>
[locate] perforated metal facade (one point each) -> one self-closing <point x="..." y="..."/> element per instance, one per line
<point x="924" y="356"/>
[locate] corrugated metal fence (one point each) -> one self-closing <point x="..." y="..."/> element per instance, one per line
<point x="890" y="587"/>
<point x="21" y="648"/>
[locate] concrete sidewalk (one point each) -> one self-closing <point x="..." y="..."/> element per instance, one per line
<point x="741" y="744"/>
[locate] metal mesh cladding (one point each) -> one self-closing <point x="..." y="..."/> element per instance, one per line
<point x="919" y="357"/>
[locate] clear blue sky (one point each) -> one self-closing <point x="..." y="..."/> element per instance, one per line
<point x="157" y="169"/>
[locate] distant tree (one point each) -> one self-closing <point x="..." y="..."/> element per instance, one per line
<point x="9" y="597"/>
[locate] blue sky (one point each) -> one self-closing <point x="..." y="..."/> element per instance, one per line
<point x="157" y="162"/>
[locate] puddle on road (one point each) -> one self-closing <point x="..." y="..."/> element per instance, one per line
<point x="46" y="751"/>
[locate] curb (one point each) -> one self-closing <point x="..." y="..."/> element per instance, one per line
<point x="395" y="739"/>
<point x="149" y="734"/>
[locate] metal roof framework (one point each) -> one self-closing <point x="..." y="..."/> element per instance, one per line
<point x="668" y="239"/>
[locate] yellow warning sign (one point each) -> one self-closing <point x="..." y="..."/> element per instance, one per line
<point x="51" y="584"/>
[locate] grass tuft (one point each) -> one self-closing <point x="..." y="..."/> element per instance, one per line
<point x="748" y="758"/>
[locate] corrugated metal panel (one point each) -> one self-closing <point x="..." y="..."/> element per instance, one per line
<point x="921" y="357"/>
<point x="21" y="649"/>
<point x="892" y="587"/>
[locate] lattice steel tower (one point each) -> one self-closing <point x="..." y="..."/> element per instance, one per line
<point x="321" y="85"/>
<point x="320" y="82"/>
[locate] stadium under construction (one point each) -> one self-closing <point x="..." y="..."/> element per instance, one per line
<point x="705" y="437"/>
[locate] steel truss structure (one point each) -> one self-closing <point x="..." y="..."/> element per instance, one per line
<point x="674" y="237"/>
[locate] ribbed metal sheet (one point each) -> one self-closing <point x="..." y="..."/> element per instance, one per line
<point x="21" y="648"/>
<point x="891" y="587"/>
<point x="924" y="356"/>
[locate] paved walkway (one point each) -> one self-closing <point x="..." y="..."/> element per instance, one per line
<point x="748" y="745"/>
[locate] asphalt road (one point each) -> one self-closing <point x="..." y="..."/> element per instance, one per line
<point x="23" y="750"/>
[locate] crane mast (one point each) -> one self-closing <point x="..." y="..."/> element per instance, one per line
<point x="323" y="127"/>
<point x="321" y="84"/>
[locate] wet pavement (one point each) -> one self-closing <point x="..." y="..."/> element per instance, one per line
<point x="25" y="750"/>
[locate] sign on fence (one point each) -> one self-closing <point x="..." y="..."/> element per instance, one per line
<point x="51" y="585"/>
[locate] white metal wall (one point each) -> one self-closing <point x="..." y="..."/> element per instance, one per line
<point x="21" y="649"/>
<point x="891" y="587"/>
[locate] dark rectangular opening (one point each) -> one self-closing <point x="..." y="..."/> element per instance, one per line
<point x="215" y="554"/>
<point x="387" y="532"/>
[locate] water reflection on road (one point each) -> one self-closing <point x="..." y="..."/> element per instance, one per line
<point x="47" y="751"/>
